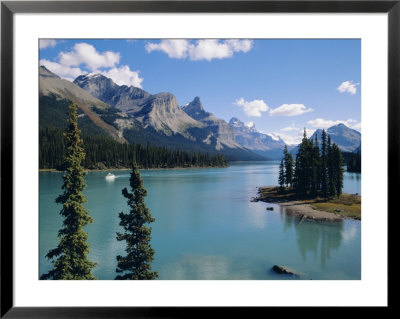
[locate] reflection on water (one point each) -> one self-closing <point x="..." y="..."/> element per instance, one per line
<point x="207" y="228"/>
<point x="315" y="238"/>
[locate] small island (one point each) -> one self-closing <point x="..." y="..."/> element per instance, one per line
<point x="335" y="209"/>
<point x="311" y="186"/>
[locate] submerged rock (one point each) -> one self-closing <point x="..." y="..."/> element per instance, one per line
<point x="282" y="270"/>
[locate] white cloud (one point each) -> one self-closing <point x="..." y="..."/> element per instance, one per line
<point x="290" y="139"/>
<point x="289" y="129"/>
<point x="274" y="136"/>
<point x="45" y="43"/>
<point x="124" y="76"/>
<point x="294" y="138"/>
<point x="62" y="71"/>
<point x="348" y="86"/>
<point x="356" y="126"/>
<point x="215" y="49"/>
<point x="252" y="108"/>
<point x="86" y="54"/>
<point x="206" y="49"/>
<point x="321" y="123"/>
<point x="244" y="45"/>
<point x="249" y="124"/>
<point x="68" y="65"/>
<point x="289" y="110"/>
<point x="177" y="49"/>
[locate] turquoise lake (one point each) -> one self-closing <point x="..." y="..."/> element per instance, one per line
<point x="206" y="226"/>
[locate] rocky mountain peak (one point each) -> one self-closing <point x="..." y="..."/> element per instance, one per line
<point x="346" y="138"/>
<point x="121" y="96"/>
<point x="235" y="122"/>
<point x="46" y="73"/>
<point x="86" y="81"/>
<point x="248" y="136"/>
<point x="195" y="109"/>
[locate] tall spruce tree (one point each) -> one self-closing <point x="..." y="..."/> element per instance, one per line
<point x="281" y="178"/>
<point x="337" y="160"/>
<point x="331" y="169"/>
<point x="288" y="164"/>
<point x="70" y="260"/>
<point x="301" y="169"/>
<point x="316" y="170"/>
<point x="354" y="162"/>
<point x="324" y="171"/>
<point x="137" y="263"/>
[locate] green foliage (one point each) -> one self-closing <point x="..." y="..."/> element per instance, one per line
<point x="316" y="168"/>
<point x="337" y="171"/>
<point x="288" y="166"/>
<point x="281" y="178"/>
<point x="354" y="162"/>
<point x="324" y="164"/>
<point x="108" y="115"/>
<point x="137" y="263"/>
<point x="70" y="260"/>
<point x="317" y="172"/>
<point x="53" y="112"/>
<point x="104" y="152"/>
<point x="140" y="135"/>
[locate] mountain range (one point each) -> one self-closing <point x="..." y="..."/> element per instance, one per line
<point x="260" y="143"/>
<point x="131" y="115"/>
<point x="347" y="139"/>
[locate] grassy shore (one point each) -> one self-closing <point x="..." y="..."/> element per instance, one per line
<point x="345" y="206"/>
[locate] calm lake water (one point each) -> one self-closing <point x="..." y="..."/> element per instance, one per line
<point x="206" y="226"/>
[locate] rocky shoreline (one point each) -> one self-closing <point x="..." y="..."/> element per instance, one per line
<point x="297" y="208"/>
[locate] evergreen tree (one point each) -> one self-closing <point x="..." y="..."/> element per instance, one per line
<point x="330" y="169"/>
<point x="337" y="159"/>
<point x="316" y="167"/>
<point x="324" y="173"/>
<point x="288" y="164"/>
<point x="70" y="256"/>
<point x="137" y="263"/>
<point x="354" y="162"/>
<point x="105" y="152"/>
<point x="301" y="171"/>
<point x="281" y="178"/>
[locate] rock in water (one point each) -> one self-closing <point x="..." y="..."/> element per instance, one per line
<point x="282" y="270"/>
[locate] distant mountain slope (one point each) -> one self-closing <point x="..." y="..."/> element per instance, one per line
<point x="256" y="141"/>
<point x="347" y="139"/>
<point x="160" y="111"/>
<point x="51" y="84"/>
<point x="123" y="97"/>
<point x="158" y="119"/>
<point x="221" y="130"/>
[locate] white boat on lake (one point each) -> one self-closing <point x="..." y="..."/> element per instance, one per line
<point x="110" y="177"/>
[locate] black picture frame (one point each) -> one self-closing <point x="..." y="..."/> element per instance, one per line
<point x="9" y="8"/>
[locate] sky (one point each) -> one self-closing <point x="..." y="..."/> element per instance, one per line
<point x="279" y="85"/>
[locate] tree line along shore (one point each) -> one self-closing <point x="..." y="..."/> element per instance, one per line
<point x="103" y="153"/>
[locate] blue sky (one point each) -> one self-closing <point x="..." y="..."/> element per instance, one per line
<point x="281" y="86"/>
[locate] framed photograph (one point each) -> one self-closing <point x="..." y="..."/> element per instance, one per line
<point x="163" y="155"/>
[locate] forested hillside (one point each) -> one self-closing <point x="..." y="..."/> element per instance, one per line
<point x="104" y="152"/>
